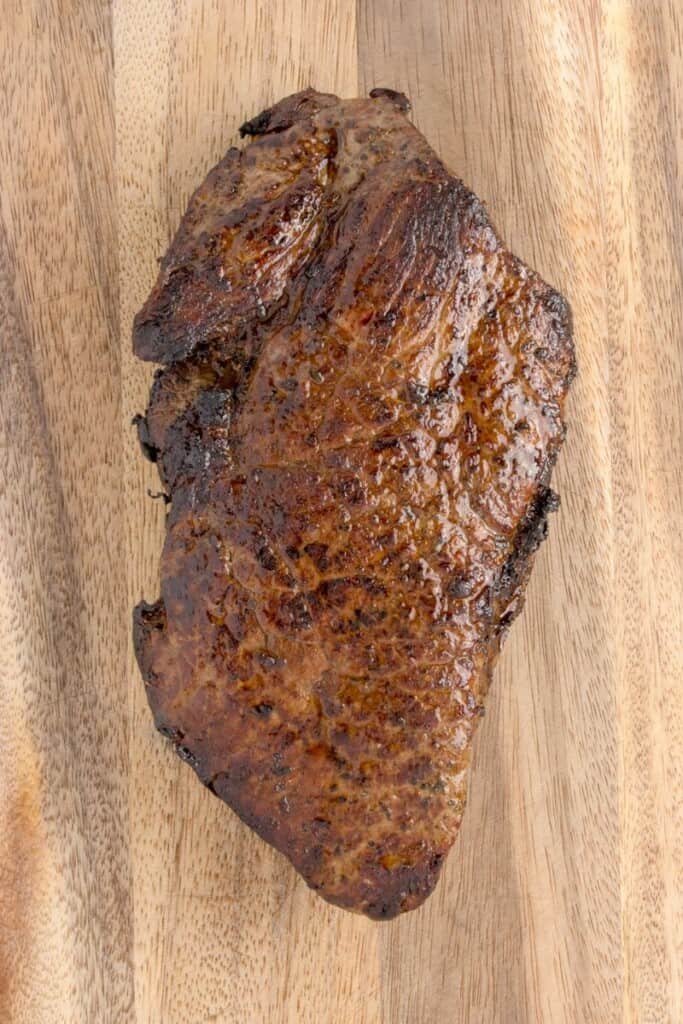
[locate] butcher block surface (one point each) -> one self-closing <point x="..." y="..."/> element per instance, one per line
<point x="128" y="893"/>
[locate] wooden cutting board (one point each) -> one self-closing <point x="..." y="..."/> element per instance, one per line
<point x="127" y="892"/>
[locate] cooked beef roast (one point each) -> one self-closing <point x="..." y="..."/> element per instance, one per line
<point x="356" y="424"/>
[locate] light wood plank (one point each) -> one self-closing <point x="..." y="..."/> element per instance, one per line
<point x="65" y="892"/>
<point x="641" y="59"/>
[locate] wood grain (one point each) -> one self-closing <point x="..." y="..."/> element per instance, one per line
<point x="128" y="893"/>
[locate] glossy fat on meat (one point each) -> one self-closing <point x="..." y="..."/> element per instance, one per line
<point x="360" y="407"/>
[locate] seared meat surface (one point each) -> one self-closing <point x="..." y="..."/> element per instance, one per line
<point x="361" y="404"/>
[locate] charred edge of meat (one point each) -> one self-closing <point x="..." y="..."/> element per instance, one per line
<point x="409" y="887"/>
<point x="157" y="339"/>
<point x="146" y="619"/>
<point x="287" y="112"/>
<point x="159" y="495"/>
<point x="260" y="125"/>
<point x="382" y="897"/>
<point x="149" y="450"/>
<point x="563" y="326"/>
<point x="532" y="532"/>
<point x="559" y="307"/>
<point x="399" y="99"/>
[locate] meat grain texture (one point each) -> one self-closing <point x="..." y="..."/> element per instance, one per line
<point x="359" y="411"/>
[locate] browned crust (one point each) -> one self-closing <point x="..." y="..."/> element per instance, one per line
<point x="361" y="407"/>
